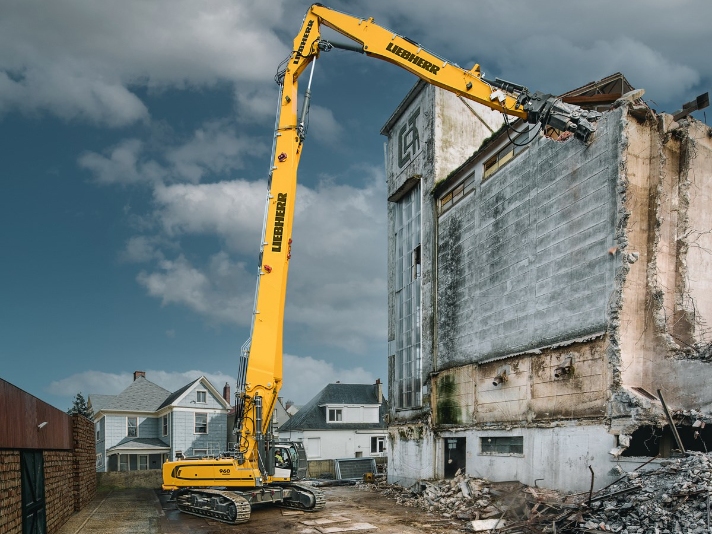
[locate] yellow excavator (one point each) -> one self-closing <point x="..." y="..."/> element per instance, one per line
<point x="261" y="469"/>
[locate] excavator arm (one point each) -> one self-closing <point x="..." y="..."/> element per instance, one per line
<point x="260" y="380"/>
<point x="251" y="467"/>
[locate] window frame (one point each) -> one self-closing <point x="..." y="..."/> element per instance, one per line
<point x="138" y="465"/>
<point x="380" y="444"/>
<point x="165" y="425"/>
<point x="496" y="443"/>
<point x="200" y="452"/>
<point x="507" y="153"/>
<point x="338" y="414"/>
<point x="128" y="427"/>
<point x="457" y="193"/>
<point x="195" y="423"/>
<point x="201" y="393"/>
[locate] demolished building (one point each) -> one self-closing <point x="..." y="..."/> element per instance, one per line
<point x="543" y="290"/>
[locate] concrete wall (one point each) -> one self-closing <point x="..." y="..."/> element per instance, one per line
<point x="432" y="133"/>
<point x="598" y="255"/>
<point x="523" y="261"/>
<point x="334" y="444"/>
<point x="557" y="456"/>
<point x="411" y="453"/>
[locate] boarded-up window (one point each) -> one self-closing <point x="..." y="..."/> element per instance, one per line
<point x="502" y="445"/>
<point x="313" y="447"/>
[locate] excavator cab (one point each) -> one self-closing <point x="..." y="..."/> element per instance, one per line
<point x="290" y="460"/>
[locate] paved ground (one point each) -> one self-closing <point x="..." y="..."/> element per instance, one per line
<point x="348" y="510"/>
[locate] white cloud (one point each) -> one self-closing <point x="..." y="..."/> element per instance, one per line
<point x="214" y="149"/>
<point x="120" y="165"/>
<point x="221" y="292"/>
<point x="323" y="126"/>
<point x="140" y="249"/>
<point x="304" y="377"/>
<point x="555" y="46"/>
<point x="337" y="286"/>
<point x="232" y="210"/>
<point x="79" y="59"/>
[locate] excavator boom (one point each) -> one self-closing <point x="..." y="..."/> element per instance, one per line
<point x="226" y="487"/>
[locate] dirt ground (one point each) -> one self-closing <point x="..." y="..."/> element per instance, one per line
<point x="348" y="509"/>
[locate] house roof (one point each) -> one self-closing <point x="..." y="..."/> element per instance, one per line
<point x="174" y="396"/>
<point x="312" y="416"/>
<point x="141" y="396"/>
<point x="140" y="444"/>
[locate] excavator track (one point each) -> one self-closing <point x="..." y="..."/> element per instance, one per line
<point x="226" y="506"/>
<point x="305" y="496"/>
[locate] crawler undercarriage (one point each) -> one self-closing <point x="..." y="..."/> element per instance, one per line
<point x="234" y="507"/>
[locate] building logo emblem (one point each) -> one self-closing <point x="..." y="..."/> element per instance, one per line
<point x="408" y="139"/>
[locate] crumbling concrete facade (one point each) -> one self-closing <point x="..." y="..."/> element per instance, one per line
<point x="543" y="294"/>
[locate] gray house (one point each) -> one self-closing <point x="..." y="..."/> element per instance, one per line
<point x="145" y="425"/>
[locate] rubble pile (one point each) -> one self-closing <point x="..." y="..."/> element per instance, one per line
<point x="674" y="498"/>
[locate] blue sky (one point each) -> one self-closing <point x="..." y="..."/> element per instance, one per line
<point x="135" y="142"/>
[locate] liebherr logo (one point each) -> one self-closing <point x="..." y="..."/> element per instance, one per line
<point x="279" y="222"/>
<point x="415" y="59"/>
<point x="307" y="31"/>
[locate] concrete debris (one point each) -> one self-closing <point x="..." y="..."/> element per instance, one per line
<point x="674" y="498"/>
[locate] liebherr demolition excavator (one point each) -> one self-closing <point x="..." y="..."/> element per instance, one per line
<point x="261" y="469"/>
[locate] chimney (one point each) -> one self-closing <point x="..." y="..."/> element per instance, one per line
<point x="138" y="374"/>
<point x="226" y="393"/>
<point x="379" y="390"/>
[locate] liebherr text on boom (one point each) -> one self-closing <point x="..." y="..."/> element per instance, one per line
<point x="261" y="469"/>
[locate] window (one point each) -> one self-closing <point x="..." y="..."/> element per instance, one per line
<point x="201" y="423"/>
<point x="202" y="396"/>
<point x="142" y="462"/>
<point x="506" y="154"/>
<point x="99" y="461"/>
<point x="200" y="452"/>
<point x="415" y="264"/>
<point x="123" y="462"/>
<point x="405" y="348"/>
<point x="132" y="427"/>
<point x="502" y="445"/>
<point x="98" y="435"/>
<point x="334" y="414"/>
<point x="378" y="444"/>
<point x="164" y="424"/>
<point x="164" y="457"/>
<point x="455" y="195"/>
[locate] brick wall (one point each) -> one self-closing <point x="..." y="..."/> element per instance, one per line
<point x="10" y="493"/>
<point x="70" y="480"/>
<point x="59" y="504"/>
<point x="84" y="464"/>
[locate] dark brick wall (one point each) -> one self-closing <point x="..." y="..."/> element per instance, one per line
<point x="84" y="462"/>
<point x="70" y="480"/>
<point x="59" y="504"/>
<point x="10" y="493"/>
